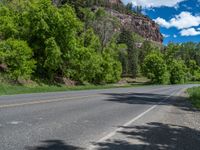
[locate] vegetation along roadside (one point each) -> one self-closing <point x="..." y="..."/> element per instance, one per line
<point x="85" y="43"/>
<point x="194" y="95"/>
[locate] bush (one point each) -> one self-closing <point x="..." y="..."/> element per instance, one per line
<point x="154" y="68"/>
<point x="177" y="72"/>
<point x="194" y="94"/>
<point x="17" y="55"/>
<point x="197" y="75"/>
<point x="194" y="70"/>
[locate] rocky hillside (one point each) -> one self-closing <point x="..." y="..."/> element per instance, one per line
<point x="115" y="1"/>
<point x="141" y="25"/>
<point x="137" y="23"/>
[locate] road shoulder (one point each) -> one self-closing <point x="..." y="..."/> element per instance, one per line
<point x="174" y="125"/>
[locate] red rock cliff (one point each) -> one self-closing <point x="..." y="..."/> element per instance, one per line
<point x="141" y="25"/>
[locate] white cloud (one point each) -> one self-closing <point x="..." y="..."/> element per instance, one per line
<point x="165" y="35"/>
<point x="154" y="3"/>
<point x="162" y="22"/>
<point x="181" y="21"/>
<point x="175" y="36"/>
<point x="189" y="32"/>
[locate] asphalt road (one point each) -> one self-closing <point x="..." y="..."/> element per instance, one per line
<point x="89" y="119"/>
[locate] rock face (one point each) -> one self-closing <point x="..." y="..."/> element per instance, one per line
<point x="139" y="24"/>
<point x="115" y="1"/>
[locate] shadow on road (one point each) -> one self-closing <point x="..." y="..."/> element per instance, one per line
<point x="53" y="145"/>
<point x="155" y="136"/>
<point x="136" y="98"/>
<point x="151" y="99"/>
<point x="152" y="136"/>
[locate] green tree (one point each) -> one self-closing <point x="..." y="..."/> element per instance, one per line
<point x="171" y="53"/>
<point x="8" y="27"/>
<point x="83" y="65"/>
<point x="123" y="58"/>
<point x="154" y="68"/>
<point x="104" y="26"/>
<point x="127" y="37"/>
<point x="62" y="45"/>
<point x="90" y="40"/>
<point x="177" y="72"/>
<point x="52" y="60"/>
<point x="112" y="65"/>
<point x="129" y="6"/>
<point x="111" y="69"/>
<point x="146" y="48"/>
<point x="176" y="65"/>
<point x="138" y="9"/>
<point x="193" y="67"/>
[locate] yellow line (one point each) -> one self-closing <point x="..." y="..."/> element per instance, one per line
<point x="50" y="101"/>
<point x="44" y="101"/>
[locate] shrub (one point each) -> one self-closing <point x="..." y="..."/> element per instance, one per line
<point x="17" y="55"/>
<point x="197" y="75"/>
<point x="194" y="94"/>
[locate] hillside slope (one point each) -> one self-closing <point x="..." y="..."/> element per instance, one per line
<point x="135" y="22"/>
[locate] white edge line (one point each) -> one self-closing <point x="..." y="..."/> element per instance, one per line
<point x="111" y="134"/>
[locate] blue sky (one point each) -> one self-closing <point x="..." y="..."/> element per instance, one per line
<point x="179" y="20"/>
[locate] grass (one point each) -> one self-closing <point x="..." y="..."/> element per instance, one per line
<point x="41" y="86"/>
<point x="194" y="94"/>
<point x="193" y="82"/>
<point x="11" y="89"/>
<point x="8" y="89"/>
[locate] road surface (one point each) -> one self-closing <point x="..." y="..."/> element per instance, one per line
<point x="151" y="117"/>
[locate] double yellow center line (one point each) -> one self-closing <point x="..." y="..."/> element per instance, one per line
<point x="45" y="101"/>
<point x="54" y="100"/>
